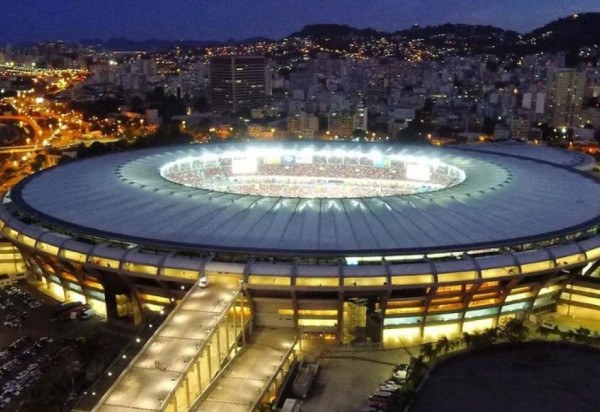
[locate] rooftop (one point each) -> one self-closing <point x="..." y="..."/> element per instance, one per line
<point x="505" y="199"/>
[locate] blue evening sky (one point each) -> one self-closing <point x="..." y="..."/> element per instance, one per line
<point x="71" y="20"/>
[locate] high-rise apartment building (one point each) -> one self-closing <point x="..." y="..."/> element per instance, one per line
<point x="566" y="87"/>
<point x="341" y="124"/>
<point x="237" y="82"/>
<point x="520" y="125"/>
<point x="302" y="124"/>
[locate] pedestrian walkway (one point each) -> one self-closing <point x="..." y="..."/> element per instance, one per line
<point x="254" y="377"/>
<point x="185" y="354"/>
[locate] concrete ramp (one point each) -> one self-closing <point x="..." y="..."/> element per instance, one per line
<point x="179" y="362"/>
<point x="253" y="378"/>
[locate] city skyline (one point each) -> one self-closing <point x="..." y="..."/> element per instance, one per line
<point x="38" y="20"/>
<point x="204" y="204"/>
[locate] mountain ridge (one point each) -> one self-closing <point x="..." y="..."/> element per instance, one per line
<point x="563" y="34"/>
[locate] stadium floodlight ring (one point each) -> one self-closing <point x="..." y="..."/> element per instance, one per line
<point x="312" y="173"/>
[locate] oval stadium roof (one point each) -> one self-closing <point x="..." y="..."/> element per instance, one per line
<point x="577" y="160"/>
<point x="503" y="200"/>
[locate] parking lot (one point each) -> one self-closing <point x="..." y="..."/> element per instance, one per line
<point x="348" y="376"/>
<point x="32" y="345"/>
<point x="23" y="363"/>
<point x="34" y="320"/>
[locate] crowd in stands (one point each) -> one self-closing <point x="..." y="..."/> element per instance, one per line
<point x="330" y="179"/>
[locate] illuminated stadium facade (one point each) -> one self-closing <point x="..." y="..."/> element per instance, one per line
<point x="368" y="242"/>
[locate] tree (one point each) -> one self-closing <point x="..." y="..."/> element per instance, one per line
<point x="542" y="331"/>
<point x="171" y="106"/>
<point x="167" y="105"/>
<point x="9" y="172"/>
<point x="442" y="345"/>
<point x="466" y="339"/>
<point x="490" y="335"/>
<point x="200" y="104"/>
<point x="568" y="336"/>
<point x="489" y="126"/>
<point x="137" y="104"/>
<point x="428" y="105"/>
<point x="99" y="108"/>
<point x="38" y="161"/>
<point x="478" y="340"/>
<point x="428" y="351"/>
<point x="582" y="335"/>
<point x="359" y="134"/>
<point x="416" y="370"/>
<point x="95" y="149"/>
<point x="513" y="330"/>
<point x="50" y="393"/>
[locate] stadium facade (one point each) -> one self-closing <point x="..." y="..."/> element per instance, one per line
<point x="417" y="242"/>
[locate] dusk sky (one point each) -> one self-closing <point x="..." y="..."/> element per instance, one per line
<point x="72" y="20"/>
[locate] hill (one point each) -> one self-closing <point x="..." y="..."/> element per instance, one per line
<point x="335" y="30"/>
<point x="567" y="34"/>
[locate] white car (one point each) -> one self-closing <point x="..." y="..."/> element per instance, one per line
<point x="203" y="281"/>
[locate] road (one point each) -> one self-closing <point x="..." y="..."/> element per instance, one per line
<point x="25" y="119"/>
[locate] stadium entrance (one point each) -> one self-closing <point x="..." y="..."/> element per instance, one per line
<point x="362" y="321"/>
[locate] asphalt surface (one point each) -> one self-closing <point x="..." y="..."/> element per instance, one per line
<point x="26" y="362"/>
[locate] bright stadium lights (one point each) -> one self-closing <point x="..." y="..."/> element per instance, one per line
<point x="418" y="171"/>
<point x="403" y="257"/>
<point x="374" y="155"/>
<point x="312" y="172"/>
<point x="244" y="165"/>
<point x="352" y="261"/>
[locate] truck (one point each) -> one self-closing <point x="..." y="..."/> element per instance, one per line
<point x="86" y="314"/>
<point x="307" y="374"/>
<point x="380" y="395"/>
<point x="72" y="312"/>
<point x="64" y="306"/>
<point x="564" y="327"/>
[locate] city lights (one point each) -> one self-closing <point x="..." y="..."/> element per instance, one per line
<point x="212" y="218"/>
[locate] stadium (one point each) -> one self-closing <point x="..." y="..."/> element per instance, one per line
<point x="346" y="242"/>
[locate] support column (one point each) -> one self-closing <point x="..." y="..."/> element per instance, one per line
<point x="227" y="335"/>
<point x="235" y="334"/>
<point x="194" y="388"/>
<point x="187" y="392"/>
<point x="340" y="305"/>
<point x="217" y="335"/>
<point x="242" y="320"/>
<point x="198" y="367"/>
<point x="209" y="362"/>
